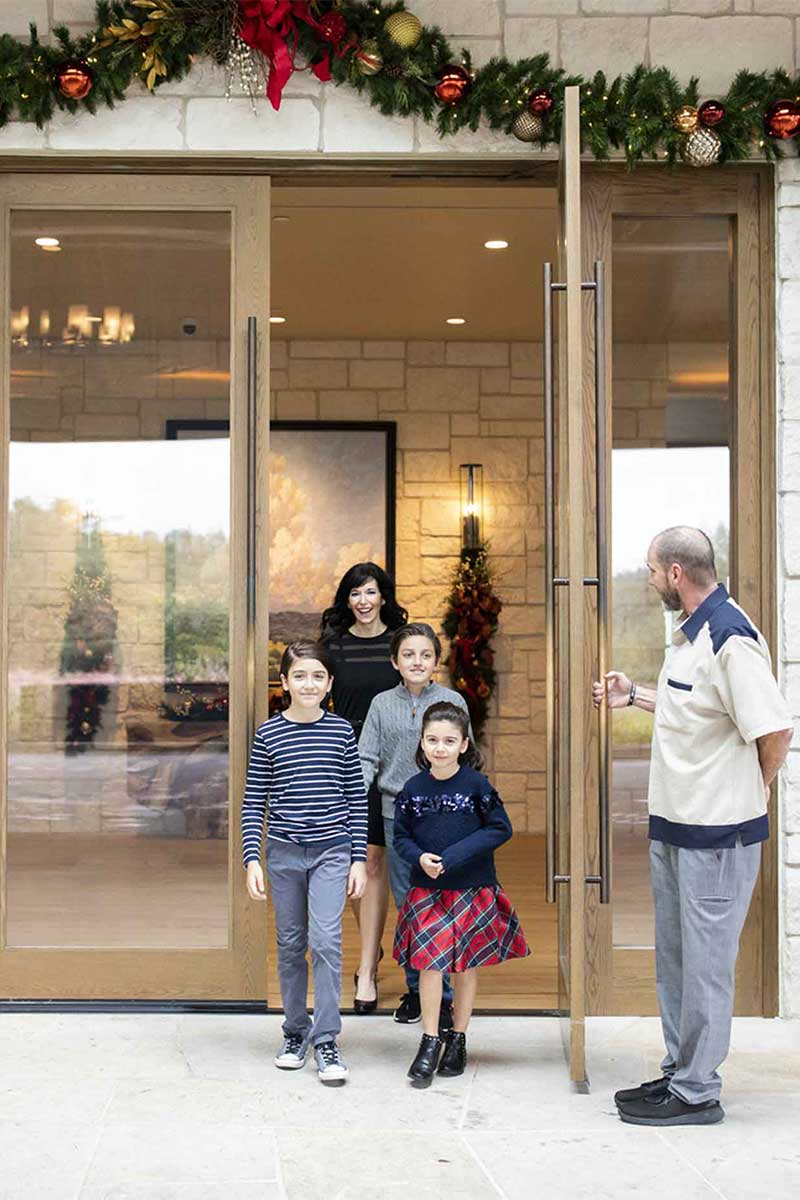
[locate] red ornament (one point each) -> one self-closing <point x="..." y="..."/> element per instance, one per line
<point x="782" y="119"/>
<point x="711" y="113"/>
<point x="74" y="79"/>
<point x="541" y="102"/>
<point x="453" y="85"/>
<point x="333" y="27"/>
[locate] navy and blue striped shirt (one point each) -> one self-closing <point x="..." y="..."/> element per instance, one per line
<point x="310" y="777"/>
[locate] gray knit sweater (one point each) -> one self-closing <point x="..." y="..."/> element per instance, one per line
<point x="391" y="734"/>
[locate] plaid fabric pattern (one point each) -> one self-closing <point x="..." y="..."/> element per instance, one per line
<point x="440" y="930"/>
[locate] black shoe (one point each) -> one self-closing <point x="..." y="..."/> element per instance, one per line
<point x="377" y="960"/>
<point x="422" y="1069"/>
<point x="445" y="1017"/>
<point x="362" y="1007"/>
<point x="670" y="1110"/>
<point x="408" y="1011"/>
<point x="655" y="1087"/>
<point x="454" y="1057"/>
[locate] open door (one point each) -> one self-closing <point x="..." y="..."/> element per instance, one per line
<point x="576" y="604"/>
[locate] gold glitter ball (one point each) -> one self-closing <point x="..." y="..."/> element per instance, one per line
<point x="685" y="119"/>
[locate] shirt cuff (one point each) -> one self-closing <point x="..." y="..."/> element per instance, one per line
<point x="761" y="730"/>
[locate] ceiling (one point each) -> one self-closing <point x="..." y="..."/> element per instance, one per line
<point x="374" y="262"/>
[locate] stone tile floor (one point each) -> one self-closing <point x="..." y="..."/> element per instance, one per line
<point x="160" y="1107"/>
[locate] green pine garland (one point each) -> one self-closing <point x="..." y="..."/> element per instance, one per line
<point x="470" y="622"/>
<point x="157" y="40"/>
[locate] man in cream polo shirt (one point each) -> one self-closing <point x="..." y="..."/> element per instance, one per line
<point x="721" y="733"/>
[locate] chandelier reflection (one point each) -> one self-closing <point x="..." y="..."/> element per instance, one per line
<point x="82" y="329"/>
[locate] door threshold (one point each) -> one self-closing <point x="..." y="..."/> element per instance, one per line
<point x="233" y="1007"/>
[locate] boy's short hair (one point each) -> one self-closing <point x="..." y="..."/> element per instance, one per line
<point x="415" y="629"/>
<point x="305" y="648"/>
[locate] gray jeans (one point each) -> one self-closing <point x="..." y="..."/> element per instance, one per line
<point x="308" y="886"/>
<point x="400" y="882"/>
<point x="701" y="902"/>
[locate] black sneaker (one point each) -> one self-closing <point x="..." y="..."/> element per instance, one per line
<point x="445" y="1017"/>
<point x="654" y="1087"/>
<point x="408" y="1011"/>
<point x="670" y="1110"/>
<point x="454" y="1058"/>
<point x="423" y="1067"/>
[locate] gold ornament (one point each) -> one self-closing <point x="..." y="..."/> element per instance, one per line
<point x="404" y="29"/>
<point x="702" y="147"/>
<point x="685" y="119"/>
<point x="85" y="728"/>
<point x="528" y="127"/>
<point x="369" y="58"/>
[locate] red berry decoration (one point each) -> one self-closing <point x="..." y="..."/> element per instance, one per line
<point x="453" y="85"/>
<point x="74" y="79"/>
<point x="782" y="119"/>
<point x="541" y="102"/>
<point x="333" y="27"/>
<point x="710" y="113"/>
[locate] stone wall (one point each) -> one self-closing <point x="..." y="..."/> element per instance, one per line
<point x="708" y="38"/>
<point x="789" y="563"/>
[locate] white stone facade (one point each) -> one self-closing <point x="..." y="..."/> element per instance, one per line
<point x="711" y="38"/>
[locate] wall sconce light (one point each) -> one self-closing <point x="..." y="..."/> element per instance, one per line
<point x="471" y="506"/>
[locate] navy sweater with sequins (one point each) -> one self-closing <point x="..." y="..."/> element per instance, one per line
<point x="461" y="818"/>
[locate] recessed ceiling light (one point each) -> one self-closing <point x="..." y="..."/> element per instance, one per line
<point x="280" y="217"/>
<point x="277" y="320"/>
<point x="456" y="321"/>
<point x="52" y="249"/>
<point x="47" y="243"/>
<point x="496" y="244"/>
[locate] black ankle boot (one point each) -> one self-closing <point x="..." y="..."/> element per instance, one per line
<point x="423" y="1067"/>
<point x="454" y="1058"/>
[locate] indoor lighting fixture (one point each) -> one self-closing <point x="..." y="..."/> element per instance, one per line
<point x="48" y="243"/>
<point x="82" y="327"/>
<point x="456" y="321"/>
<point x="496" y="244"/>
<point x="471" y="479"/>
<point x="277" y="320"/>
<point x="280" y="218"/>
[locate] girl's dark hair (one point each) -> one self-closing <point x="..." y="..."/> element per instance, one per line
<point x="414" y="629"/>
<point x="445" y="710"/>
<point x="305" y="649"/>
<point x="337" y="619"/>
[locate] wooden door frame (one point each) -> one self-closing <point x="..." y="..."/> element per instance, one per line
<point x="238" y="971"/>
<point x="745" y="194"/>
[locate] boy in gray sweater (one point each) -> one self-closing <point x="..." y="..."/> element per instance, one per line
<point x="387" y="748"/>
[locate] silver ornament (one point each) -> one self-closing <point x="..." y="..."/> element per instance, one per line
<point x="244" y="62"/>
<point x="528" y="127"/>
<point x="702" y="148"/>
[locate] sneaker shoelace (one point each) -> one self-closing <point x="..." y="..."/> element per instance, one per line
<point x="329" y="1053"/>
<point x="293" y="1045"/>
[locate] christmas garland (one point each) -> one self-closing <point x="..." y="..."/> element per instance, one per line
<point x="404" y="68"/>
<point x="470" y="622"/>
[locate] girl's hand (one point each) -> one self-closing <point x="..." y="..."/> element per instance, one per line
<point x="255" y="881"/>
<point x="431" y="865"/>
<point x="357" y="880"/>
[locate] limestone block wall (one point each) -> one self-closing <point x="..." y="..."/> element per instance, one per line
<point x="789" y="563"/>
<point x="708" y="38"/>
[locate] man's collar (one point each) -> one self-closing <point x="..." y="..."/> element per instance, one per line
<point x="693" y="624"/>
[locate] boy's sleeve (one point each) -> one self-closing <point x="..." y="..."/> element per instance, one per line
<point x="254" y="806"/>
<point x="748" y="689"/>
<point x="496" y="830"/>
<point x="369" y="745"/>
<point x="404" y="843"/>
<point x="356" y="796"/>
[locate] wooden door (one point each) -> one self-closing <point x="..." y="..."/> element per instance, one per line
<point x="689" y="366"/>
<point x="131" y="529"/>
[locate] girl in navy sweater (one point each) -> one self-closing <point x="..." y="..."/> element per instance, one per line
<point x="456" y="917"/>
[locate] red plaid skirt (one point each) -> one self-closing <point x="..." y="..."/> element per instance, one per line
<point x="457" y="930"/>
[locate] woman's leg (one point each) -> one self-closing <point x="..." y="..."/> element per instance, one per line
<point x="430" y="995"/>
<point x="372" y="918"/>
<point x="466" y="985"/>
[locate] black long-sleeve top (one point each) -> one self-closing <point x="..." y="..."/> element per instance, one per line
<point x="361" y="669"/>
<point x="462" y="819"/>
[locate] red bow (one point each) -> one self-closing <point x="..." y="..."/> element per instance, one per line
<point x="270" y="26"/>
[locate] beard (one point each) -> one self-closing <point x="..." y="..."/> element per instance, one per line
<point x="670" y="599"/>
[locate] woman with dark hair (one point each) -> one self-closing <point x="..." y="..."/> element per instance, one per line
<point x="356" y="631"/>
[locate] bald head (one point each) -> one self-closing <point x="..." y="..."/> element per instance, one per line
<point x="691" y="549"/>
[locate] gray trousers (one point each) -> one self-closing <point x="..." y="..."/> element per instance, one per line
<point x="400" y="882"/>
<point x="701" y="901"/>
<point x="308" y="887"/>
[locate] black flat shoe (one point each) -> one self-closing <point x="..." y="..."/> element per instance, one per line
<point x="422" y="1069"/>
<point x="670" y="1110"/>
<point x="363" y="1007"/>
<point x="653" y="1087"/>
<point x="454" y="1057"/>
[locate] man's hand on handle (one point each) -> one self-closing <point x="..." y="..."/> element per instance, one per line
<point x="616" y="690"/>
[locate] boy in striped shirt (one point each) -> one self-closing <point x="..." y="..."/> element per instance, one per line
<point x="304" y="765"/>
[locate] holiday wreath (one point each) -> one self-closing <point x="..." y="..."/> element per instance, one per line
<point x="404" y="67"/>
<point x="470" y="622"/>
